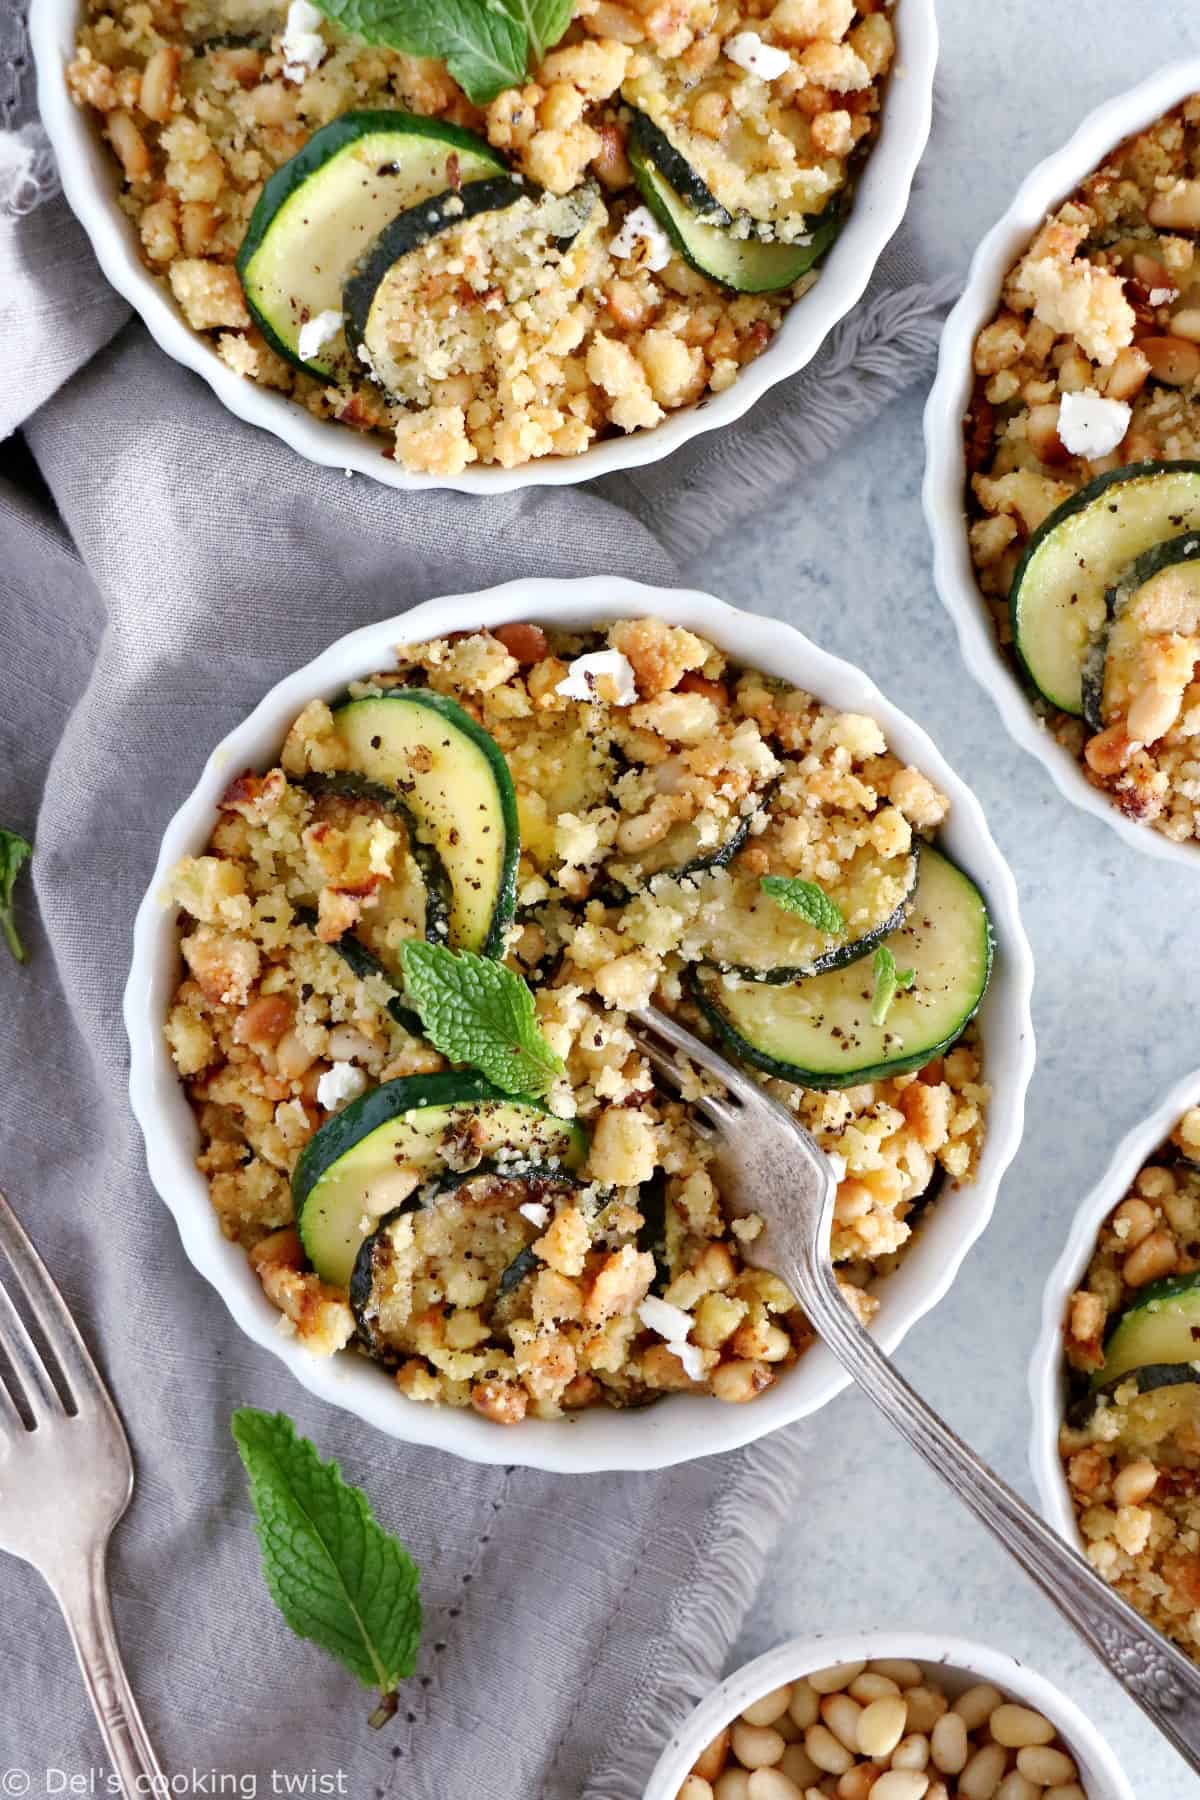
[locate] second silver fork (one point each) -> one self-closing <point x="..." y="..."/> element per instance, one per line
<point x="769" y="1165"/>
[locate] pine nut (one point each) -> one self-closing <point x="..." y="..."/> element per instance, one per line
<point x="1015" y="1726"/>
<point x="1072" y="1791"/>
<point x="772" y="1784"/>
<point x="925" y="1707"/>
<point x="771" y="1707"/>
<point x="881" y="1725"/>
<point x="734" y="1784"/>
<point x="869" y="1686"/>
<point x="1133" y="1221"/>
<point x="984" y="1773"/>
<point x="856" y="1783"/>
<point x="1186" y="324"/>
<point x="829" y="1753"/>
<point x="804" y="1708"/>
<point x="158" y="82"/>
<point x="1172" y="360"/>
<point x="1049" y="1768"/>
<point x="713" y="1757"/>
<point x="1156" y="1255"/>
<point x="695" y="1788"/>
<point x="842" y="1715"/>
<point x="1178" y="209"/>
<point x="901" y="1784"/>
<point x="948" y="1744"/>
<point x="833" y="1680"/>
<point x="1016" y="1786"/>
<point x="756" y="1746"/>
<point x="911" y="1752"/>
<point x="905" y="1674"/>
<point x="1127" y="377"/>
<point x="977" y="1704"/>
<point x="799" y="1766"/>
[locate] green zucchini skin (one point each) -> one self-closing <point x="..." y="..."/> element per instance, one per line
<point x="1101" y="489"/>
<point x="746" y="265"/>
<point x="416" y="226"/>
<point x="360" y="961"/>
<point x="1162" y="1325"/>
<point x="619" y="893"/>
<point x="652" y="1204"/>
<point x="362" y="1283"/>
<point x="325" y="144"/>
<point x="1167" y="555"/>
<point x="676" y="170"/>
<point x="489" y="941"/>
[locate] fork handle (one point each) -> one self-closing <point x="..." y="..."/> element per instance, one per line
<point x="82" y="1592"/>
<point x="1163" y="1682"/>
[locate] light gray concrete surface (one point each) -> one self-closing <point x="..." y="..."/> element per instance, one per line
<point x="879" y="1541"/>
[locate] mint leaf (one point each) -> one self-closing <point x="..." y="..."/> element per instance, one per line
<point x="483" y="45"/>
<point x="476" y="1011"/>
<point x="15" y="852"/>
<point x="543" y="22"/>
<point x="336" y="1575"/>
<point x="888" y="979"/>
<point x="807" y="899"/>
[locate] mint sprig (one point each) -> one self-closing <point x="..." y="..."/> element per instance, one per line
<point x="476" y="1011"/>
<point x="485" y="44"/>
<point x="15" y="852"/>
<point x="888" y="981"/>
<point x="336" y="1575"/>
<point x="811" y="902"/>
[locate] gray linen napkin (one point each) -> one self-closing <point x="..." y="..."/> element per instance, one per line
<point x="185" y="563"/>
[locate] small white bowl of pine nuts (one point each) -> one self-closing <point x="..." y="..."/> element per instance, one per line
<point x="890" y="1715"/>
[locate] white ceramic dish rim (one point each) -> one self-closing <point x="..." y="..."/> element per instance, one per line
<point x="945" y="472"/>
<point x="90" y="185"/>
<point x="680" y="1427"/>
<point x="977" y="1662"/>
<point x="1046" y="1367"/>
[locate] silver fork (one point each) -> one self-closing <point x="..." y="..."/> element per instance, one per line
<point x="768" y="1164"/>
<point x="66" y="1477"/>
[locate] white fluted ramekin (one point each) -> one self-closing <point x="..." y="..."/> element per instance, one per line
<point x="945" y="468"/>
<point x="680" y="1426"/>
<point x="956" y="1663"/>
<point x="1047" y="1370"/>
<point x="91" y="183"/>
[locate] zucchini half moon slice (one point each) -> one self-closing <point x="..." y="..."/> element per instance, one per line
<point x="1057" y="599"/>
<point x="319" y="212"/>
<point x="342" y="1180"/>
<point x="451" y="778"/>
<point x="486" y="1221"/>
<point x="1159" y="595"/>
<point x="1156" y="1338"/>
<point x="819" y="1032"/>
<point x="746" y="264"/>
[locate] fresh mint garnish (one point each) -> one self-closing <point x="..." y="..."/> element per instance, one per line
<point x="888" y="980"/>
<point x="485" y="44"/>
<point x="15" y="852"/>
<point x="807" y="899"/>
<point x="476" y="1011"/>
<point x="336" y="1575"/>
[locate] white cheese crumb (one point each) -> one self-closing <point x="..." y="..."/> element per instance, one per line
<point x="536" y="1213"/>
<point x="748" y="51"/>
<point x="673" y="1324"/>
<point x="1163" y="296"/>
<point x="604" y="675"/>
<point x="316" y="333"/>
<point x="302" y="46"/>
<point x="1091" y="426"/>
<point x="339" y="1084"/>
<point x="642" y="236"/>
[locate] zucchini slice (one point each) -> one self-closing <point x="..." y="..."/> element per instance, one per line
<point x="681" y="853"/>
<point x="325" y="207"/>
<point x="819" y="1032"/>
<point x="359" y="960"/>
<point x="746" y="264"/>
<point x="341" y="1182"/>
<point x="416" y="902"/>
<point x="748" y="933"/>
<point x="1057" y="598"/>
<point x="478" y="1218"/>
<point x="1159" y="595"/>
<point x="450" y="776"/>
<point x="1156" y="1338"/>
<point x="677" y="171"/>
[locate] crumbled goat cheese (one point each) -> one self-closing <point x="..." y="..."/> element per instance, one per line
<point x="748" y="51"/>
<point x="642" y="236"/>
<point x="1163" y="296"/>
<point x="337" y="1085"/>
<point x="604" y="675"/>
<point x="302" y="46"/>
<point x="536" y="1213"/>
<point x="673" y="1324"/>
<point x="316" y="333"/>
<point x="1091" y="426"/>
